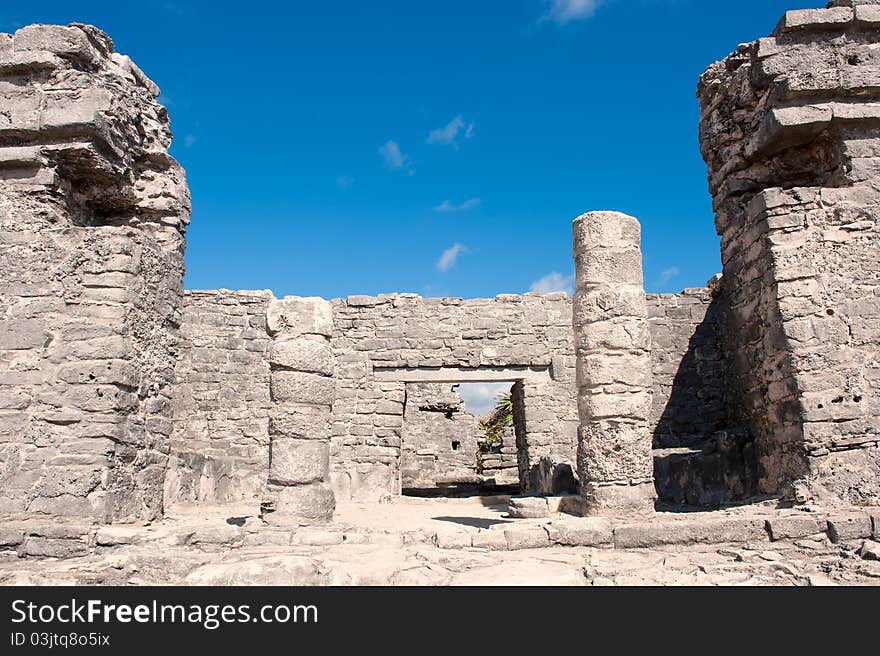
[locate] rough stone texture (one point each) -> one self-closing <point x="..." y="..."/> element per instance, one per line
<point x="440" y="442"/>
<point x="789" y="133"/>
<point x="302" y="392"/>
<point x="614" y="382"/>
<point x="92" y="215"/>
<point x="528" y="507"/>
<point x="382" y="343"/>
<point x="700" y="457"/>
<point x="220" y="438"/>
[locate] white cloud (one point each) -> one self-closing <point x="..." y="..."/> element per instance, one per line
<point x="449" y="133"/>
<point x="554" y="282"/>
<point x="344" y="182"/>
<point x="395" y="158"/>
<point x="450" y="256"/>
<point x="667" y="274"/>
<point x="449" y="206"/>
<point x="189" y="140"/>
<point x="566" y="11"/>
<point x="480" y="398"/>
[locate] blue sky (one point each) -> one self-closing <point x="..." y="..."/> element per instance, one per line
<point x="437" y="147"/>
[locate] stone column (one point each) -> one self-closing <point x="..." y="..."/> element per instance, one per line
<point x="613" y="366"/>
<point x="302" y="388"/>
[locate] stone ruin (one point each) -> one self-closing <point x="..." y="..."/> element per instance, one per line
<point x="123" y="396"/>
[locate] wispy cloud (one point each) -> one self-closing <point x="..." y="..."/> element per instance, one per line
<point x="189" y="140"/>
<point x="452" y="132"/>
<point x="449" y="206"/>
<point x="566" y="11"/>
<point x="480" y="398"/>
<point x="667" y="275"/>
<point x="554" y="282"/>
<point x="394" y="158"/>
<point x="344" y="182"/>
<point x="450" y="257"/>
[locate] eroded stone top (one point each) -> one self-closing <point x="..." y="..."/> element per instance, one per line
<point x="85" y="118"/>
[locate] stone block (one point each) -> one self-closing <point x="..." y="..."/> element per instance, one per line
<point x="804" y="19"/>
<point x="526" y="537"/>
<point x="603" y="265"/>
<point x="69" y="42"/>
<point x="22" y="334"/>
<point x="294" y="316"/>
<point x="583" y="532"/>
<point x="11" y="537"/>
<point x="294" y="504"/>
<point x="310" y="353"/>
<point x="849" y="526"/>
<point x="528" y="507"/>
<point x="109" y="536"/>
<point x="302" y="421"/>
<point x="493" y="540"/>
<point x="296" y="462"/>
<point x="795" y="526"/>
<point x="704" y="530"/>
<point x="618" y="500"/>
<point x="454" y="539"/>
<point x="317" y="537"/>
<point x="224" y="534"/>
<point x="614" y="451"/>
<point x="53" y="547"/>
<point x="299" y="387"/>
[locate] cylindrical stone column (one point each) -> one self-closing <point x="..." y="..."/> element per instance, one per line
<point x="613" y="366"/>
<point x="302" y="388"/>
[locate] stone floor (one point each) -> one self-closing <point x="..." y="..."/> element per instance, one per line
<point x="431" y="542"/>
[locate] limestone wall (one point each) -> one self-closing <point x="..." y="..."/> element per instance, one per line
<point x="381" y="343"/>
<point x="439" y="438"/>
<point x="789" y="130"/>
<point x="92" y="214"/>
<point x="220" y="441"/>
<point x="690" y="391"/>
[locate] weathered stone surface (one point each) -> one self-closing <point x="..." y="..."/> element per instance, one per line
<point x="583" y="532"/>
<point x="296" y="462"/>
<point x="109" y="536"/>
<point x="310" y="355"/>
<point x="491" y="540"/>
<point x="387" y="346"/>
<point x="615" y="379"/>
<point x="531" y="537"/>
<point x="799" y="242"/>
<point x="799" y="526"/>
<point x="92" y="216"/>
<point x="852" y="526"/>
<point x="301" y="387"/>
<point x="53" y="547"/>
<point x="221" y="403"/>
<point x="528" y="507"/>
<point x="11" y="537"/>
<point x="870" y="550"/>
<point x="294" y="504"/>
<point x="270" y="570"/>
<point x="708" y="531"/>
<point x="296" y="316"/>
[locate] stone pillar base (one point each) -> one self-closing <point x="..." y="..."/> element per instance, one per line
<point x="618" y="500"/>
<point x="298" y="505"/>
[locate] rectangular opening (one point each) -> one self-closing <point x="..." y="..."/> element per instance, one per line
<point x="458" y="440"/>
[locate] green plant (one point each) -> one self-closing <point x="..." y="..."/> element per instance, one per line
<point x="493" y="426"/>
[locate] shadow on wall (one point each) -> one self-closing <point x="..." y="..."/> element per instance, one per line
<point x="702" y="456"/>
